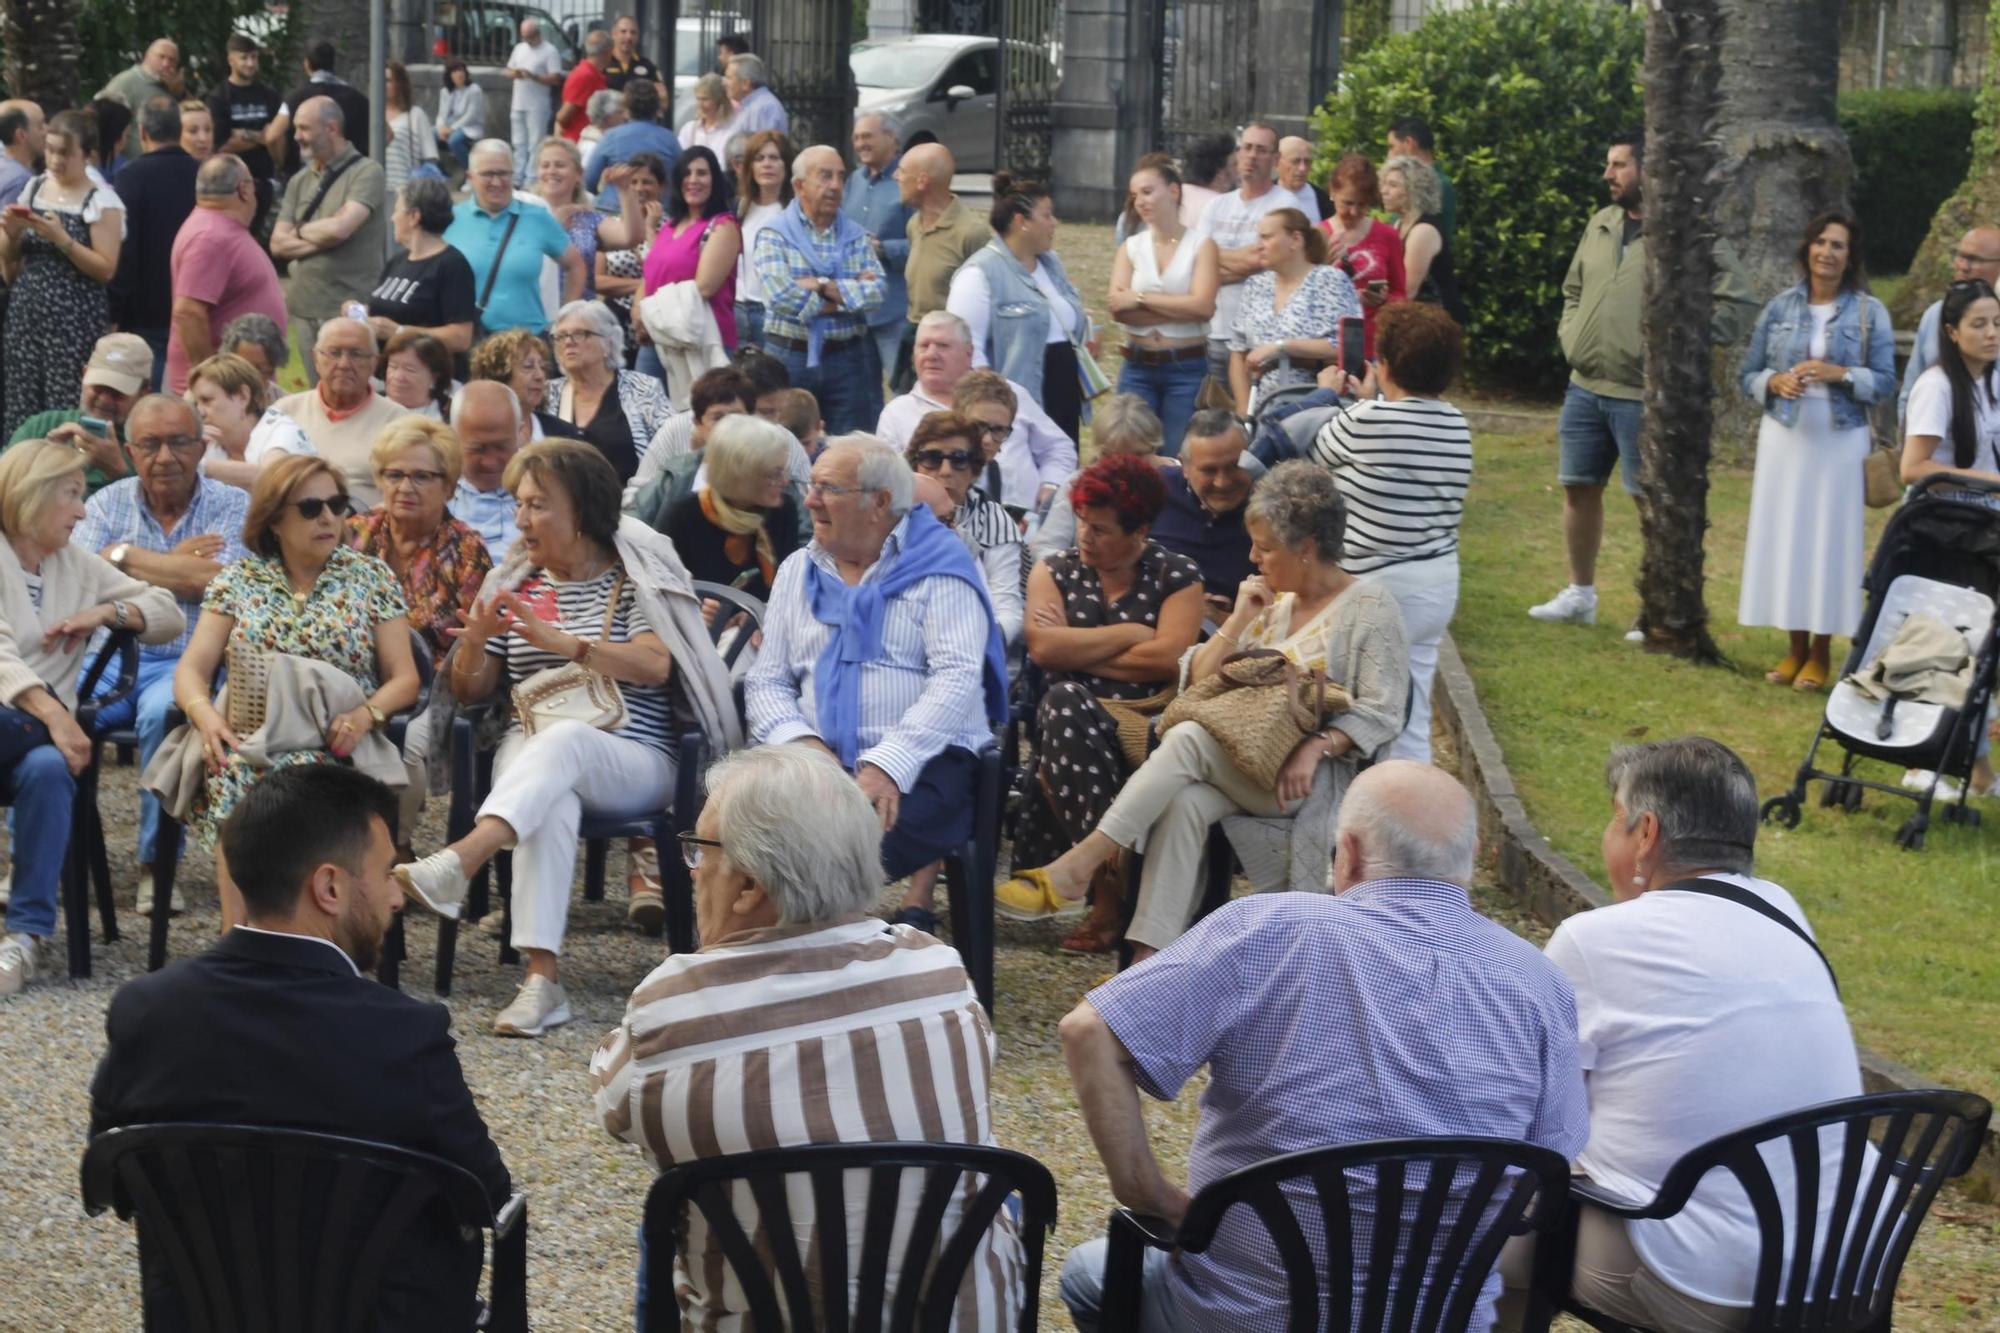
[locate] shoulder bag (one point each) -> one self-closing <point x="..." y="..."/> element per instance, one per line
<point x="326" y="181"/>
<point x="574" y="692"/>
<point x="493" y="274"/>
<point x="1715" y="888"/>
<point x="1881" y="471"/>
<point x="1258" y="705"/>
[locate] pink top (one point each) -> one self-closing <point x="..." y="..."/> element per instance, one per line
<point x="1378" y="258"/>
<point x="673" y="259"/>
<point x="218" y="262"/>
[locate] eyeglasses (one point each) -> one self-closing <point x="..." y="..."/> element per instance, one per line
<point x="691" y="849"/>
<point x="825" y="491"/>
<point x="960" y="459"/>
<point x="311" y="509"/>
<point x="568" y="336"/>
<point x="992" y="428"/>
<point x="396" y="477"/>
<point x="178" y="443"/>
<point x="346" y="353"/>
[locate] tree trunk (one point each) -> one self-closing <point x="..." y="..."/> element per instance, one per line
<point x="1683" y="55"/>
<point x="1783" y="159"/>
<point x="40" y="39"/>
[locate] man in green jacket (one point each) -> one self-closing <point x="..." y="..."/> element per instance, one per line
<point x="1604" y="298"/>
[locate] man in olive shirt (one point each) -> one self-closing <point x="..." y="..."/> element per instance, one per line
<point x="158" y="74"/>
<point x="943" y="234"/>
<point x="330" y="225"/>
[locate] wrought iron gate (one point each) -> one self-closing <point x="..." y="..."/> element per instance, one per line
<point x="1223" y="62"/>
<point x="1031" y="33"/>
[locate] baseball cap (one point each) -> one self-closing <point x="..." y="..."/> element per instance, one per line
<point x="121" y="361"/>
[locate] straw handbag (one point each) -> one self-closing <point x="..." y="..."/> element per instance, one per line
<point x="1258" y="705"/>
<point x="249" y="686"/>
<point x="574" y="692"/>
<point x="1135" y="722"/>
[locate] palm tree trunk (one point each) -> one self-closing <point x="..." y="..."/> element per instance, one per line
<point x="40" y="39"/>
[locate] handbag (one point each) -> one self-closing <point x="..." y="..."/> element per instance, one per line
<point x="1881" y="471"/>
<point x="574" y="692"/>
<point x="1258" y="705"/>
<point x="246" y="695"/>
<point x="1134" y="719"/>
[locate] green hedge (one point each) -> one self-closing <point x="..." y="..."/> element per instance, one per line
<point x="1911" y="148"/>
<point x="1523" y="95"/>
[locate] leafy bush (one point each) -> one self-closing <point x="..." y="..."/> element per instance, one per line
<point x="1523" y="95"/>
<point x="1911" y="147"/>
<point x="115" y="33"/>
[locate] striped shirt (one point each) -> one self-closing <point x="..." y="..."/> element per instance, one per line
<point x="580" y="611"/>
<point x="119" y="513"/>
<point x="995" y="541"/>
<point x="842" y="1032"/>
<point x="1402" y="468"/>
<point x="789" y="308"/>
<point x="925" y="693"/>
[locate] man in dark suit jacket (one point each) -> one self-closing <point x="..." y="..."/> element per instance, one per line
<point x="277" y="1025"/>
<point x="157" y="189"/>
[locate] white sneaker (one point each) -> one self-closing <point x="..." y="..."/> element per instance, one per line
<point x="541" y="1005"/>
<point x="143" y="899"/>
<point x="17" y="963"/>
<point x="1572" y="606"/>
<point x="1636" y="634"/>
<point x="438" y="881"/>
<point x="1919" y="779"/>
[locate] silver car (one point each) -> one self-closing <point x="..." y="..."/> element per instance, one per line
<point x="939" y="88"/>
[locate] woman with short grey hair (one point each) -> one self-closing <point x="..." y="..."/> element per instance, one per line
<point x="1413" y="195"/>
<point x="618" y="410"/>
<point x="1300" y="604"/>
<point x="739" y="527"/>
<point x="428" y="285"/>
<point x="258" y="340"/>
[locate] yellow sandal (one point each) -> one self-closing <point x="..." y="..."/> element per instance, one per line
<point x="1029" y="896"/>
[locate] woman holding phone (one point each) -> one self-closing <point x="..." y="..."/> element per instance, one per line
<point x="1368" y="251"/>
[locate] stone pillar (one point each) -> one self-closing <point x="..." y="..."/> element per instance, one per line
<point x="1103" y="108"/>
<point x="1929" y="43"/>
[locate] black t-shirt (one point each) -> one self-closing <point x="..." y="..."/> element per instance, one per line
<point x="426" y="292"/>
<point x="246" y="110"/>
<point x="616" y="74"/>
<point x="353" y="104"/>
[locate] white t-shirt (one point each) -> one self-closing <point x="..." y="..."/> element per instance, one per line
<point x="750" y="287"/>
<point x="1929" y="413"/>
<point x="971" y="299"/>
<point x="1696" y="1016"/>
<point x="274" y="433"/>
<point x="1230" y="221"/>
<point x="543" y="59"/>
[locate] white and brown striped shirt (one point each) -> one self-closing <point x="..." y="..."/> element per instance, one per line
<point x="848" y="1032"/>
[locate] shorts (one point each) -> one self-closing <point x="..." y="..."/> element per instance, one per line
<point x="1593" y="433"/>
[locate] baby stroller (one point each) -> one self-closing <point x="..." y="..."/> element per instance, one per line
<point x="1288" y="419"/>
<point x="1940" y="555"/>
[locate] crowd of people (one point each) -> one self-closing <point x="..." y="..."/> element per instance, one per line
<point x="555" y="380"/>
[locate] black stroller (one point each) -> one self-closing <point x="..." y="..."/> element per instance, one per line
<point x="1940" y="554"/>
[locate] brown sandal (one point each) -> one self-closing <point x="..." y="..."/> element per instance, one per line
<point x="1104" y="927"/>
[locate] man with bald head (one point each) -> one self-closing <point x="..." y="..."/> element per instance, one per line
<point x="331" y="222"/>
<point x="22" y="128"/>
<point x="874" y="201"/>
<point x="491" y="428"/>
<point x="1389" y="1009"/>
<point x="1295" y="159"/>
<point x="158" y="74"/>
<point x="219" y="272"/>
<point x="822" y="282"/>
<point x="943" y="233"/>
<point x="1976" y="258"/>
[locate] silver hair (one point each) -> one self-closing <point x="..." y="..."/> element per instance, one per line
<point x="882" y="467"/>
<point x="596" y="42"/>
<point x="789" y="818"/>
<point x="603" y="104"/>
<point x="220" y="177"/>
<point x="1125" y="420"/>
<point x="799" y="160"/>
<point x="1443" y="845"/>
<point x="749" y="68"/>
<point x="331" y="112"/>
<point x="458" y="404"/>
<point x="732" y="151"/>
<point x="944" y="319"/>
<point x="1702" y="794"/>
<point x="741" y="450"/>
<point x="1420" y="183"/>
<point x="599" y="319"/>
<point x="261" y="330"/>
<point x="890" y="125"/>
<point x="374" y="347"/>
<point x="1298" y="501"/>
<point x="491" y="148"/>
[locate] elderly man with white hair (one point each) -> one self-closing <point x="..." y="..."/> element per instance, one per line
<point x="881" y="648"/>
<point x="757" y="107"/>
<point x="505" y="237"/>
<point x="1035" y="459"/>
<point x="536" y="68"/>
<point x="332" y="223"/>
<point x="874" y="200"/>
<point x="343" y="414"/>
<point x="1389" y="1009"/>
<point x="766" y="1033"/>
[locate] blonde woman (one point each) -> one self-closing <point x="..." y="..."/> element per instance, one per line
<point x="245" y="434"/>
<point x="53" y="598"/>
<point x="714" y="119"/>
<point x="197" y="129"/>
<point x="559" y="182"/>
<point x="1413" y="194"/>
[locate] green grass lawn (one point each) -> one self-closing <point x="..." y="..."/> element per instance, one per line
<point x="1911" y="934"/>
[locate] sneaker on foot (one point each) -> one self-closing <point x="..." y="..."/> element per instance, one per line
<point x="647" y="911"/>
<point x="438" y="881"/>
<point x="17" y="962"/>
<point x="143" y="898"/>
<point x="1636" y="633"/>
<point x="541" y="1005"/>
<point x="1919" y="779"/>
<point x="1574" y="605"/>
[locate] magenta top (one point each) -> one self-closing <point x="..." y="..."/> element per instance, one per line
<point x="673" y="258"/>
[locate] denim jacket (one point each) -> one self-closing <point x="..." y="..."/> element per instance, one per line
<point x="1020" y="327"/>
<point x="1784" y="335"/>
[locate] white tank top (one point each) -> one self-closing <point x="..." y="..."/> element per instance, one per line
<point x="1146" y="277"/>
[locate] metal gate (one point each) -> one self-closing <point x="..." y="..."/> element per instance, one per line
<point x="804" y="46"/>
<point x="1208" y="59"/>
<point x="1031" y="34"/>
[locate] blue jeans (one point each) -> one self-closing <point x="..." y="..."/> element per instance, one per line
<point x="649" y="363"/>
<point x="42" y="792"/>
<point x="847" y="382"/>
<point x="1593" y="433"/>
<point x="1083" y="1288"/>
<point x="460" y="146"/>
<point x="749" y="323"/>
<point x="1170" y="391"/>
<point x="146" y="713"/>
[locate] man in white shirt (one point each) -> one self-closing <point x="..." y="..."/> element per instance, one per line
<point x="537" y="71"/>
<point x="1230" y="220"/>
<point x="1036" y="457"/>
<point x="1702" y="1006"/>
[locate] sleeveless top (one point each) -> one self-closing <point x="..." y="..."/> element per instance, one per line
<point x="1441" y="283"/>
<point x="672" y="258"/>
<point x="1146" y="277"/>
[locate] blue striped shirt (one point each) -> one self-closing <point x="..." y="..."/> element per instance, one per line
<point x="1391" y="1011"/>
<point x="924" y="694"/>
<point x="119" y="513"/>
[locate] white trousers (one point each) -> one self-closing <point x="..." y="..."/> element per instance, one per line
<point x="1427" y="593"/>
<point x="542" y="785"/>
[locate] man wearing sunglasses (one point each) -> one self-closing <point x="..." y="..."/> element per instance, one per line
<point x="173" y="528"/>
<point x="1977" y="259"/>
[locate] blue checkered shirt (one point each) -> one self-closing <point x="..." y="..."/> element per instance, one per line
<point x="788" y="307"/>
<point x="1391" y="1011"/>
<point x="118" y="513"/>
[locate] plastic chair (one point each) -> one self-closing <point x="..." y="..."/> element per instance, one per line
<point x="1896" y="1149"/>
<point x="969" y="873"/>
<point x="981" y="1178"/>
<point x="1442" y="1209"/>
<point x="283" y="1228"/>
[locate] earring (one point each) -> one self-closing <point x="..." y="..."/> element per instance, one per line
<point x="1638" y="877"/>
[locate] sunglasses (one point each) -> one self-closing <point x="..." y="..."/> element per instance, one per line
<point x="936" y="458"/>
<point x="311" y="509"/>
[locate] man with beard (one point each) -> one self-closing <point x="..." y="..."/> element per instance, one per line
<point x="278" y="1025"/>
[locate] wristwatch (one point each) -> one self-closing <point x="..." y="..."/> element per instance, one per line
<point x="119" y="617"/>
<point x="381" y="718"/>
<point x="117" y="555"/>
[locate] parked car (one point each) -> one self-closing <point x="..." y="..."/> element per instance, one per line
<point x="940" y="88"/>
<point x="483" y="32"/>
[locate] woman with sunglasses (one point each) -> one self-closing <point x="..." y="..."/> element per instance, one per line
<point x="949" y="447"/>
<point x="302" y="590"/>
<point x="738" y="529"/>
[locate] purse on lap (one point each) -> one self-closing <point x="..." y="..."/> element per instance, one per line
<point x="1258" y="705"/>
<point x="574" y="692"/>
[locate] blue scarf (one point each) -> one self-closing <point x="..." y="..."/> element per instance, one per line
<point x="930" y="549"/>
<point x="792" y="225"/>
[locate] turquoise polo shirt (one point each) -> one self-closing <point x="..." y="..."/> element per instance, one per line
<point x="516" y="302"/>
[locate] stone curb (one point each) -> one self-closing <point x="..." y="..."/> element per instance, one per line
<point x="1550" y="885"/>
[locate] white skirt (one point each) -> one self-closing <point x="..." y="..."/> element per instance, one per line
<point x="1802" y="558"/>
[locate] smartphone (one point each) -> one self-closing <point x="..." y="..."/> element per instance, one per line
<point x="1353" y="344"/>
<point x="1379" y="286"/>
<point x="97" y="426"/>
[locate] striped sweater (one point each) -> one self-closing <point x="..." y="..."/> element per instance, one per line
<point x="842" y="1032"/>
<point x="1402" y="468"/>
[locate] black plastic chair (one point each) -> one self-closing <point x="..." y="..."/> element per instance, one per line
<point x="980" y="1178"/>
<point x="266" y="1228"/>
<point x="1442" y="1210"/>
<point x="969" y="873"/>
<point x="1897" y="1148"/>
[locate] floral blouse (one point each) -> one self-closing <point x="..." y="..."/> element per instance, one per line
<point x="442" y="579"/>
<point x="1159" y="575"/>
<point x="1321" y="301"/>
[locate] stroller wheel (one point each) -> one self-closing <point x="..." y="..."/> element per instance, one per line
<point x="1911" y="836"/>
<point x="1961" y="814"/>
<point x="1781" y="810"/>
<point x="1851" y="798"/>
<point x="1835" y="793"/>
